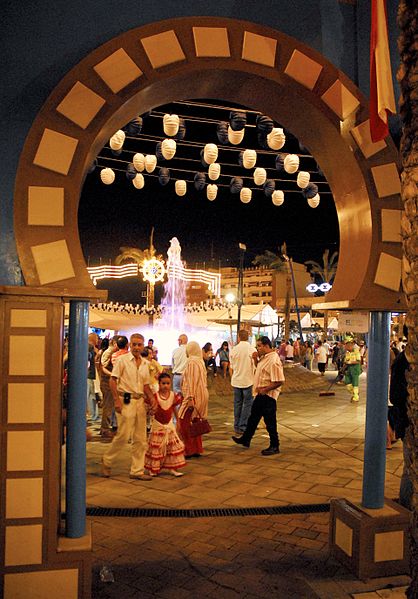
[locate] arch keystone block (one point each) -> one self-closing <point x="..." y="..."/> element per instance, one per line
<point x="303" y="69"/>
<point x="55" y="151"/>
<point x="163" y="49"/>
<point x="259" y="49"/>
<point x="81" y="105"/>
<point x="340" y="100"/>
<point x="118" y="70"/>
<point x="211" y="41"/>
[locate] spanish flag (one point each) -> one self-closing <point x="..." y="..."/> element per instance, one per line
<point x="382" y="99"/>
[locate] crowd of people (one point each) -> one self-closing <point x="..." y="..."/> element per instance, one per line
<point x="153" y="408"/>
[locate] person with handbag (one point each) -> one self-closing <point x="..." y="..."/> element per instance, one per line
<point x="195" y="399"/>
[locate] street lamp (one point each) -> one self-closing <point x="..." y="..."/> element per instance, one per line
<point x="287" y="259"/>
<point x="240" y="294"/>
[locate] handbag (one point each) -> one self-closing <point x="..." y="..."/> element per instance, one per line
<point x="199" y="426"/>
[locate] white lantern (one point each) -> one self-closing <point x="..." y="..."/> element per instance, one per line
<point x="303" y="179"/>
<point x="314" y="202"/>
<point x="235" y="137"/>
<point x="260" y="176"/>
<point x="171" y="124"/>
<point x="210" y="153"/>
<point x="117" y="140"/>
<point x="211" y="191"/>
<point x="249" y="158"/>
<point x="291" y="163"/>
<point x="276" y="138"/>
<point x="138" y="181"/>
<point x="214" y="171"/>
<point x="277" y="197"/>
<point x="168" y="148"/>
<point x="245" y="195"/>
<point x="180" y="187"/>
<point x="139" y="162"/>
<point x="107" y="175"/>
<point x="150" y="162"/>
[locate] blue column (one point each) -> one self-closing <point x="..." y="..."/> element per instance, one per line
<point x="75" y="492"/>
<point x="376" y="410"/>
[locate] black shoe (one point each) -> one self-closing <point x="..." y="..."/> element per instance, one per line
<point x="240" y="441"/>
<point x="270" y="451"/>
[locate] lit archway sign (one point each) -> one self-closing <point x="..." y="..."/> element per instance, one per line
<point x="313" y="287"/>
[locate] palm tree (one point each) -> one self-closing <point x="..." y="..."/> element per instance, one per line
<point x="131" y="255"/>
<point x="408" y="110"/>
<point x="326" y="272"/>
<point x="278" y="264"/>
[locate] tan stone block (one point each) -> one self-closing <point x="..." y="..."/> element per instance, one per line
<point x="259" y="49"/>
<point x="163" y="49"/>
<point x="118" y="70"/>
<point x="211" y="41"/>
<point x="55" y="151"/>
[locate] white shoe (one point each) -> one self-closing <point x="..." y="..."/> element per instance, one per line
<point x="177" y="473"/>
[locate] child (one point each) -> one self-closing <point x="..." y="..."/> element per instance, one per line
<point x="165" y="449"/>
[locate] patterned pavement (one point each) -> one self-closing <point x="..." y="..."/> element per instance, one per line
<point x="283" y="555"/>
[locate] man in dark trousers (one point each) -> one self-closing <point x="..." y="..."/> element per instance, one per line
<point x="399" y="422"/>
<point x="268" y="378"/>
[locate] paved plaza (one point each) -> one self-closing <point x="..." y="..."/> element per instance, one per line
<point x="248" y="556"/>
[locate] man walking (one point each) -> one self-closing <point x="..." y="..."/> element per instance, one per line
<point x="178" y="362"/>
<point x="353" y="368"/>
<point x="268" y="378"/>
<point x="242" y="380"/>
<point x="130" y="384"/>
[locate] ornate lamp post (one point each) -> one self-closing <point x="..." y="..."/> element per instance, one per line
<point x="153" y="271"/>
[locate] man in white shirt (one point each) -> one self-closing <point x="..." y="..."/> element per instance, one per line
<point x="268" y="378"/>
<point x="178" y="362"/>
<point x="322" y="358"/>
<point x="130" y="384"/>
<point x="242" y="380"/>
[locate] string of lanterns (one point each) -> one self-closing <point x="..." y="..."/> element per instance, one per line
<point x="269" y="138"/>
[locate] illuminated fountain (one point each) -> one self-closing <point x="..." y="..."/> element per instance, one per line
<point x="174" y="290"/>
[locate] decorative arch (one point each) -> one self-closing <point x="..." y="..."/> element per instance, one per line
<point x="235" y="61"/>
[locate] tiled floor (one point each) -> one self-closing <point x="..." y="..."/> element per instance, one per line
<point x="242" y="556"/>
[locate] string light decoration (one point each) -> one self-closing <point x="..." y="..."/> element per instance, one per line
<point x="186" y="157"/>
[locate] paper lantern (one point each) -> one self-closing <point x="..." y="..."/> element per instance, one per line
<point x="222" y="132"/>
<point x="260" y="175"/>
<point x="262" y="140"/>
<point x="235" y="137"/>
<point x="276" y="138"/>
<point x="202" y="158"/>
<point x="168" y="148"/>
<point x="314" y="202"/>
<point x="291" y="163"/>
<point x="117" y="152"/>
<point x="310" y="191"/>
<point x="150" y="163"/>
<point x="139" y="162"/>
<point x="163" y="176"/>
<point x="249" y="158"/>
<point x="138" y="181"/>
<point x="277" y="197"/>
<point x="134" y="127"/>
<point x="92" y="167"/>
<point x="211" y="191"/>
<point x="159" y="151"/>
<point x="245" y="195"/>
<point x="303" y="179"/>
<point x="237" y="120"/>
<point x="236" y="184"/>
<point x="180" y="187"/>
<point x="130" y="172"/>
<point x="107" y="175"/>
<point x="269" y="187"/>
<point x="181" y="133"/>
<point x="210" y="153"/>
<point x="199" y="181"/>
<point x="117" y="140"/>
<point x="214" y="171"/>
<point x="264" y="123"/>
<point x="171" y="124"/>
<point x="280" y="161"/>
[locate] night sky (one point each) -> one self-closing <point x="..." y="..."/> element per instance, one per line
<point x="112" y="216"/>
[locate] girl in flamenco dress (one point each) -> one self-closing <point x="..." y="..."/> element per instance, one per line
<point x="165" y="448"/>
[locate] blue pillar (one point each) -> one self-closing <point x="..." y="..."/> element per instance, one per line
<point x="75" y="492"/>
<point x="376" y="410"/>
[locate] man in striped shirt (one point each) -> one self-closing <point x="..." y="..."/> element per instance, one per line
<point x="268" y="379"/>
